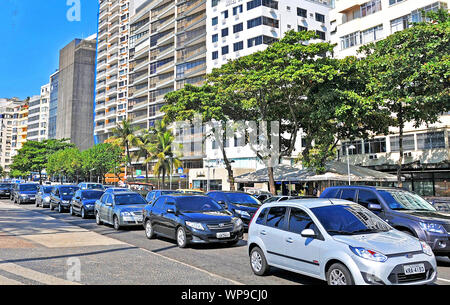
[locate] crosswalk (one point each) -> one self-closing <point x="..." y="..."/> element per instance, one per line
<point x="41" y="278"/>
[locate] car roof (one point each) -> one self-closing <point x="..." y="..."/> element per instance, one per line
<point x="124" y="193"/>
<point x="184" y="195"/>
<point x="368" y="187"/>
<point x="310" y="203"/>
<point x="229" y="192"/>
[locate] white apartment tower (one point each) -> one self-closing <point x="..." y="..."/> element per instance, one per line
<point x="112" y="66"/>
<point x="38" y="115"/>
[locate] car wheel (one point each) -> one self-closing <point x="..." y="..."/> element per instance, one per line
<point x="258" y="262"/>
<point x="36" y="204"/>
<point x="116" y="223"/>
<point x="338" y="274"/>
<point x="149" y="229"/>
<point x="51" y="207"/>
<point x="181" y="238"/>
<point x="98" y="221"/>
<point x="19" y="202"/>
<point x="83" y="213"/>
<point x="71" y="211"/>
<point x="60" y="208"/>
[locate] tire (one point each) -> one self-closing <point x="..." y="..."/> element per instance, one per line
<point x="181" y="238"/>
<point x="258" y="262"/>
<point x="338" y="274"/>
<point x="51" y="207"/>
<point x="149" y="229"/>
<point x="36" y="204"/>
<point x="83" y="214"/>
<point x="60" y="210"/>
<point x="116" y="223"/>
<point x="19" y="202"/>
<point x="71" y="211"/>
<point x="97" y="219"/>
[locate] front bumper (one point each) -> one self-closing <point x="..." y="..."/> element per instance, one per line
<point x="27" y="199"/>
<point x="130" y="221"/>
<point x="439" y="243"/>
<point x="208" y="236"/>
<point x="391" y="272"/>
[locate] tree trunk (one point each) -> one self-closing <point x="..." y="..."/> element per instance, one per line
<point x="272" y="187"/>
<point x="229" y="169"/>
<point x="400" y="145"/>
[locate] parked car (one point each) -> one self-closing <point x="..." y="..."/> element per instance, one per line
<point x="120" y="209"/>
<point x="25" y="193"/>
<point x="241" y="204"/>
<point x="91" y="186"/>
<point x="338" y="241"/>
<point x="43" y="196"/>
<point x="284" y="198"/>
<point x="441" y="204"/>
<point x="404" y="210"/>
<point x="155" y="194"/>
<point x="14" y="188"/>
<point x="5" y="189"/>
<point x="189" y="218"/>
<point x="83" y="202"/>
<point x="61" y="196"/>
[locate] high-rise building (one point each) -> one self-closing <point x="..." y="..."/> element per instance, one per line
<point x="38" y="116"/>
<point x="22" y="122"/>
<point x="53" y="105"/>
<point x="112" y="66"/>
<point x="426" y="159"/>
<point x="76" y="83"/>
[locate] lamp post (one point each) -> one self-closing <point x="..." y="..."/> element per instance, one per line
<point x="348" y="163"/>
<point x="90" y="174"/>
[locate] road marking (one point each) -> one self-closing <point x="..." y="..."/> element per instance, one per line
<point x="34" y="275"/>
<point x="6" y="281"/>
<point x="445" y="280"/>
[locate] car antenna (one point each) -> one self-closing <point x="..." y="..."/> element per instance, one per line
<point x="330" y="201"/>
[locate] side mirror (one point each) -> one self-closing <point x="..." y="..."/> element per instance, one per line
<point x="108" y="204"/>
<point x="223" y="203"/>
<point x="170" y="211"/>
<point x="375" y="207"/>
<point x="308" y="233"/>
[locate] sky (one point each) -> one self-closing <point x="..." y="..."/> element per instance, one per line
<point x="33" y="32"/>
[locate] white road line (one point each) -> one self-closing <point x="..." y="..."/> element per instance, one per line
<point x="445" y="280"/>
<point x="34" y="275"/>
<point x="6" y="281"/>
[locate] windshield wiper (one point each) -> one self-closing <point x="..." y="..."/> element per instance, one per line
<point x="340" y="232"/>
<point x="367" y="231"/>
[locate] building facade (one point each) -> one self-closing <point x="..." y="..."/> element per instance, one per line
<point x="426" y="162"/>
<point x="53" y="105"/>
<point x="38" y="116"/>
<point x="76" y="83"/>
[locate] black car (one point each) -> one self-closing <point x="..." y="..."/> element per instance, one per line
<point x="25" y="193"/>
<point x="61" y="196"/>
<point x="83" y="203"/>
<point x="241" y="204"/>
<point x="191" y="219"/>
<point x="403" y="210"/>
<point x="5" y="189"/>
<point x="155" y="194"/>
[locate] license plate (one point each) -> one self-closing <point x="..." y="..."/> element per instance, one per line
<point x="138" y="218"/>
<point x="414" y="269"/>
<point x="224" y="235"/>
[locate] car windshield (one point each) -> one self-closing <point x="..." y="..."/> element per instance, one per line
<point x="91" y="195"/>
<point x="404" y="200"/>
<point x="28" y="187"/>
<point x="349" y="220"/>
<point x="242" y="198"/>
<point x="197" y="204"/>
<point x="68" y="191"/>
<point x="94" y="186"/>
<point x="169" y="192"/>
<point x="47" y="189"/>
<point x="125" y="199"/>
<point x="5" y="185"/>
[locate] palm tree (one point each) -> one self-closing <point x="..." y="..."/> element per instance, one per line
<point x="144" y="144"/>
<point x="124" y="135"/>
<point x="161" y="148"/>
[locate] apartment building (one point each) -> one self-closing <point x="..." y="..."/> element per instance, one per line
<point x="53" y="105"/>
<point x="22" y="124"/>
<point x="426" y="160"/>
<point x="76" y="84"/>
<point x="38" y="116"/>
<point x="9" y="114"/>
<point x="111" y="90"/>
<point x="237" y="28"/>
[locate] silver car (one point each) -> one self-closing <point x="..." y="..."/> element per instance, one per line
<point x="337" y="241"/>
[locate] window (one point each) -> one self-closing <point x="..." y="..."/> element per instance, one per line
<point x="367" y="197"/>
<point x="348" y="194"/>
<point x="276" y="217"/>
<point x="262" y="217"/>
<point x="254" y="41"/>
<point x="431" y="140"/>
<point x="320" y="18"/>
<point x="375" y="146"/>
<point x="321" y="34"/>
<point x="400" y="24"/>
<point x="254" y="22"/>
<point x="225" y="50"/>
<point x="215" y="37"/>
<point x="301" y="12"/>
<point x="352" y="151"/>
<point x="252" y="4"/>
<point x="215" y="21"/>
<point x="238" y="46"/>
<point x="214" y="3"/>
<point x="408" y="143"/>
<point x="225" y="32"/>
<point x="238" y="27"/>
<point x="215" y="55"/>
<point x="225" y="14"/>
<point x="237" y="10"/>
<point x="299" y="221"/>
<point x="392" y="2"/>
<point x="370" y="7"/>
<point x="302" y="28"/>
<point x="372" y="34"/>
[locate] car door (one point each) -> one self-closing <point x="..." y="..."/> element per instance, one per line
<point x="39" y="194"/>
<point x="76" y="202"/>
<point x="168" y="220"/>
<point x="304" y="254"/>
<point x="273" y="234"/>
<point x="156" y="214"/>
<point x="102" y="210"/>
<point x="109" y="209"/>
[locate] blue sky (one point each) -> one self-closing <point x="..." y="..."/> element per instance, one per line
<point x="33" y="32"/>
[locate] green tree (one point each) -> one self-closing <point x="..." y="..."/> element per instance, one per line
<point x="409" y="74"/>
<point x="101" y="159"/>
<point x="124" y="135"/>
<point x="144" y="141"/>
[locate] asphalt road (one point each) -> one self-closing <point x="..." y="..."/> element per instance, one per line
<point x="44" y="240"/>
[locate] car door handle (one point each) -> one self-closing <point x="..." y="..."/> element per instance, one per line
<point x="263" y="232"/>
<point x="289" y="240"/>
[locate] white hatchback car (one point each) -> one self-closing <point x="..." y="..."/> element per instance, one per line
<point x="337" y="241"/>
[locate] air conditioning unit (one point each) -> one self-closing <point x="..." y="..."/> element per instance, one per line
<point x="373" y="157"/>
<point x="407" y="154"/>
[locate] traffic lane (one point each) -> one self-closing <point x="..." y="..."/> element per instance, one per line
<point x="230" y="262"/>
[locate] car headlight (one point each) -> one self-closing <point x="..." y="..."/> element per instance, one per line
<point x="237" y="222"/>
<point x="195" y="225"/>
<point x="369" y="254"/>
<point x="89" y="206"/>
<point x="23" y="195"/>
<point x="125" y="213"/>
<point x="47" y="199"/>
<point x="432" y="227"/>
<point x="242" y="213"/>
<point x="426" y="248"/>
<point x="65" y="201"/>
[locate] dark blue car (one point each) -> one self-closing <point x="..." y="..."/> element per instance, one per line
<point x="191" y="219"/>
<point x="403" y="210"/>
<point x="241" y="204"/>
<point x="5" y="189"/>
<point x="25" y="193"/>
<point x="61" y="196"/>
<point x="83" y="203"/>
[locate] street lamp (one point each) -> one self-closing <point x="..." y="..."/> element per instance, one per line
<point x="348" y="163"/>
<point x="90" y="174"/>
